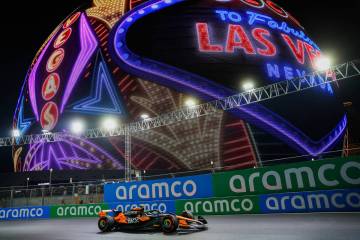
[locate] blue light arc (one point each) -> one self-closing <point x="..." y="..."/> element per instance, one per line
<point x="23" y="124"/>
<point x="173" y="77"/>
<point x="103" y="97"/>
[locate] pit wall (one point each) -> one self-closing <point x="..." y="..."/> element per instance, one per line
<point x="331" y="185"/>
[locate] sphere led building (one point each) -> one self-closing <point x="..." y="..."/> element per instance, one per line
<point x="128" y="58"/>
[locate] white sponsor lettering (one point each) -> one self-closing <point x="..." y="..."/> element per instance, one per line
<point x="147" y="206"/>
<point x="78" y="211"/>
<point x="220" y="206"/>
<point x="314" y="201"/>
<point x="296" y="178"/>
<point x="322" y="177"/>
<point x="177" y="189"/>
<point x="234" y="187"/>
<point x="21" y="213"/>
<point x="346" y="177"/>
<point x="265" y="181"/>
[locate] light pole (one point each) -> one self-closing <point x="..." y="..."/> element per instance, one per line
<point x="51" y="170"/>
<point x="127" y="155"/>
<point x="27" y="191"/>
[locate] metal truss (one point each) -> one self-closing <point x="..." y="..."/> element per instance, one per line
<point x="315" y="79"/>
<point x="127" y="156"/>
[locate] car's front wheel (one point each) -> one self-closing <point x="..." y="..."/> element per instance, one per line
<point x="106" y="224"/>
<point x="169" y="224"/>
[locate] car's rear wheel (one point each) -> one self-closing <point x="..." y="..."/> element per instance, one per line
<point x="169" y="224"/>
<point x="106" y="224"/>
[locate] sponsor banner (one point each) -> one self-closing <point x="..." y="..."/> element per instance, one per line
<point x="319" y="201"/>
<point x="82" y="210"/>
<point x="219" y="206"/>
<point x="162" y="189"/>
<point x="341" y="173"/>
<point x="24" y="213"/>
<point x="162" y="206"/>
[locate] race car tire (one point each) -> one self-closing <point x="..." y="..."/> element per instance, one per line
<point x="106" y="224"/>
<point x="169" y="224"/>
<point x="187" y="214"/>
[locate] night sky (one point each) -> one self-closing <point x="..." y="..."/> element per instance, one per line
<point x="333" y="25"/>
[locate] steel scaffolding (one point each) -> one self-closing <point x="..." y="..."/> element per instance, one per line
<point x="315" y="79"/>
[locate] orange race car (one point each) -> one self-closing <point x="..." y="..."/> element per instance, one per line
<point x="139" y="219"/>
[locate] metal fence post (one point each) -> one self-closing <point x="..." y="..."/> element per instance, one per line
<point x="42" y="196"/>
<point x="12" y="197"/>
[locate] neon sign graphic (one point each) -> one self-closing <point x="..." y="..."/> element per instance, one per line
<point x="237" y="39"/>
<point x="179" y="79"/>
<point x="49" y="116"/>
<point x="253" y="18"/>
<point x="50" y="86"/>
<point x="51" y="83"/>
<point x="55" y="60"/>
<point x="284" y="71"/>
<point x="276" y="8"/>
<point x="71" y="20"/>
<point x="32" y="79"/>
<point x="270" y="5"/>
<point x="71" y="153"/>
<point x="62" y="38"/>
<point x="88" y="43"/>
<point x="254" y="3"/>
<point x="102" y="89"/>
<point x="204" y="39"/>
<point x="23" y="124"/>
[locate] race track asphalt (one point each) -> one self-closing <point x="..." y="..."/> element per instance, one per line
<point x="325" y="226"/>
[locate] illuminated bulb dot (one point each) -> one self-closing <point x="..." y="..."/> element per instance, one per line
<point x="119" y="44"/>
<point x="167" y="1"/>
<point x="322" y="63"/>
<point x="129" y="19"/>
<point x="190" y="103"/>
<point x="141" y="11"/>
<point x="145" y="116"/>
<point x="155" y="6"/>
<point x="125" y="56"/>
<point x="121" y="30"/>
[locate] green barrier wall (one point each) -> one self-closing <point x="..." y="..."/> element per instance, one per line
<point x="329" y="174"/>
<point x="83" y="210"/>
<point x="318" y="186"/>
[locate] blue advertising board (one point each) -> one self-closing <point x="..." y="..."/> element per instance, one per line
<point x="162" y="189"/>
<point x="24" y="213"/>
<point x="162" y="206"/>
<point x="320" y="201"/>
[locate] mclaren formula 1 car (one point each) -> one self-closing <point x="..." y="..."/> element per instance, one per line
<point x="138" y="219"/>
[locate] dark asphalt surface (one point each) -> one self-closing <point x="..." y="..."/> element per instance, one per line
<point x="325" y="226"/>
